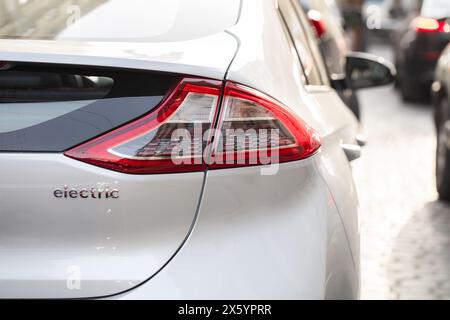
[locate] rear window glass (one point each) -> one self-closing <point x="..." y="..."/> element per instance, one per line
<point x="436" y="9"/>
<point x="51" y="109"/>
<point x="116" y="20"/>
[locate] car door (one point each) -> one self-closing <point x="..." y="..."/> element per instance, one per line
<point x="339" y="142"/>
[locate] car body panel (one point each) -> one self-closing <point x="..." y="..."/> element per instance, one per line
<point x="112" y="244"/>
<point x="207" y="57"/>
<point x="157" y="21"/>
<point x="246" y="246"/>
<point x="340" y="181"/>
<point x="337" y="126"/>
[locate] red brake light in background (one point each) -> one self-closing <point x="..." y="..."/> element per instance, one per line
<point x="247" y="119"/>
<point x="320" y="27"/>
<point x="429" y="25"/>
<point x="432" y="55"/>
<point x="5" y="65"/>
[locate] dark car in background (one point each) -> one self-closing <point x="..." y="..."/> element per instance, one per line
<point x="327" y="21"/>
<point x="418" y="45"/>
<point x="440" y="95"/>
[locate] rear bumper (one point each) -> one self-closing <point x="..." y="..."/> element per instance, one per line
<point x="261" y="237"/>
<point x="420" y="71"/>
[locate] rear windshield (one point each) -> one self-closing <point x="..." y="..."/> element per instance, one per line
<point x="53" y="108"/>
<point x="436" y="9"/>
<point x="116" y="20"/>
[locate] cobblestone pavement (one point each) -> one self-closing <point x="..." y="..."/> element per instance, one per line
<point x="405" y="244"/>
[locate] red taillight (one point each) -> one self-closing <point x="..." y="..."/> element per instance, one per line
<point x="320" y="27"/>
<point x="176" y="137"/>
<point x="256" y="129"/>
<point x="427" y="25"/>
<point x="147" y="145"/>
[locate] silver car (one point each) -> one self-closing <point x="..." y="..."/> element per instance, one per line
<point x="174" y="150"/>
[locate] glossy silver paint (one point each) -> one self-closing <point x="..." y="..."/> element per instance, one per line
<point x="291" y="235"/>
<point x="231" y="233"/>
<point x="207" y="57"/>
<point x="113" y="244"/>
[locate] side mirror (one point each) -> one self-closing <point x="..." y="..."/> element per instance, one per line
<point x="364" y="70"/>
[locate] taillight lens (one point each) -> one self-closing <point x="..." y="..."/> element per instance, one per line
<point x="256" y="129"/>
<point x="179" y="136"/>
<point x="429" y="25"/>
<point x="151" y="144"/>
<point x="319" y="25"/>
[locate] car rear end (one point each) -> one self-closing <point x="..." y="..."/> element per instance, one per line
<point x="64" y="220"/>
<point x="91" y="202"/>
<point x="175" y="165"/>
<point x="422" y="45"/>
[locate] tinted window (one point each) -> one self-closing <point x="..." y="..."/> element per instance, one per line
<point x="304" y="42"/>
<point x="51" y="109"/>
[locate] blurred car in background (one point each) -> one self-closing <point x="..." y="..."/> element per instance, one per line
<point x="440" y="95"/>
<point x="385" y="16"/>
<point x="327" y="21"/>
<point x="418" y="46"/>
